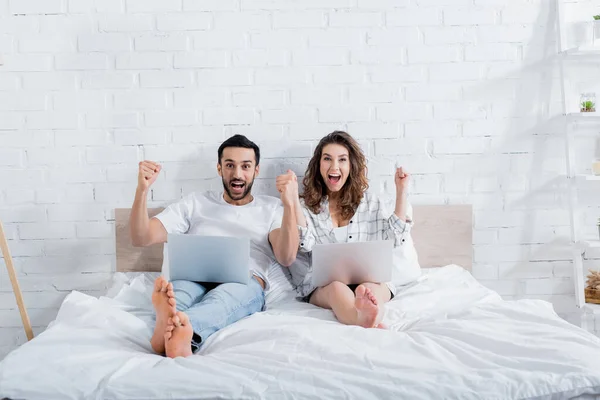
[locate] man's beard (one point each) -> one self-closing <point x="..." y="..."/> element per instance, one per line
<point x="233" y="196"/>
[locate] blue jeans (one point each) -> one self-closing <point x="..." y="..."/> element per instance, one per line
<point x="212" y="309"/>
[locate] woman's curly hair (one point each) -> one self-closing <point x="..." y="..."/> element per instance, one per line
<point x="351" y="194"/>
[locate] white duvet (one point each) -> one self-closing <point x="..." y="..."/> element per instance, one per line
<point x="448" y="338"/>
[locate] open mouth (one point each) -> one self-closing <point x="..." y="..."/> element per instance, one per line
<point x="237" y="186"/>
<point x="334" y="179"/>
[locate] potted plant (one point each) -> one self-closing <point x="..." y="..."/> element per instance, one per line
<point x="596" y="27"/>
<point x="592" y="289"/>
<point x="588" y="106"/>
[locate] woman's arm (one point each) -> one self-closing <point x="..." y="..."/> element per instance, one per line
<point x="398" y="224"/>
<point x="402" y="180"/>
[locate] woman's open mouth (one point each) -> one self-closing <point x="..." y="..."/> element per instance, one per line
<point x="334" y="179"/>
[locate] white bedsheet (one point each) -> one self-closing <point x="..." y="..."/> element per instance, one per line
<point x="449" y="337"/>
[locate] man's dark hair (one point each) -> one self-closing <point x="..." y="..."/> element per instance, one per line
<point x="239" y="141"/>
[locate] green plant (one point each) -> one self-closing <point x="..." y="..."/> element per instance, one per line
<point x="597" y="17"/>
<point x="587" y="105"/>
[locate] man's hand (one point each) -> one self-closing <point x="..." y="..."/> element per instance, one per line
<point x="148" y="172"/>
<point x="401" y="179"/>
<point x="287" y="186"/>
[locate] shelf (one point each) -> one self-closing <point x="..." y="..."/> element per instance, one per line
<point x="590" y="244"/>
<point x="585" y="116"/>
<point x="591" y="307"/>
<point x="581" y="53"/>
<point x="583" y="246"/>
<point x="589" y="177"/>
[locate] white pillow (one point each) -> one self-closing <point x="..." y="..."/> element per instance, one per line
<point x="406" y="261"/>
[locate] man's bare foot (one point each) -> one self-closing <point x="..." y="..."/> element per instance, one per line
<point x="163" y="300"/>
<point x="178" y="336"/>
<point x="366" y="305"/>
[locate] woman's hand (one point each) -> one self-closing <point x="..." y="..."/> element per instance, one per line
<point x="402" y="179"/>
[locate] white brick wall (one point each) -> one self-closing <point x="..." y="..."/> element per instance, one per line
<point x="90" y="87"/>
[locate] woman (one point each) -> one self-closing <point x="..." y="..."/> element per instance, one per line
<point x="335" y="207"/>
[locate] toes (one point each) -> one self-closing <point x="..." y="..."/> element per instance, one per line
<point x="170" y="287"/>
<point x="183" y="318"/>
<point x="360" y="291"/>
<point x="369" y="295"/>
<point x="373" y="298"/>
<point x="170" y="321"/>
<point x="168" y="335"/>
<point x="172" y="302"/>
<point x="176" y="320"/>
<point x="158" y="284"/>
<point x="169" y="328"/>
<point x="170" y="293"/>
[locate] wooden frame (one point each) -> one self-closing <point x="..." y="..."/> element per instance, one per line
<point x="443" y="234"/>
<point x="15" y="283"/>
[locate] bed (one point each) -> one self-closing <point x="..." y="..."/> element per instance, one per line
<point x="448" y="337"/>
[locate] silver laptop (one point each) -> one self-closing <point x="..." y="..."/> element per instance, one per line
<point x="218" y="259"/>
<point x="352" y="263"/>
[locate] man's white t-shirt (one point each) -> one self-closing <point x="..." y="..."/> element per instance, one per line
<point x="209" y="214"/>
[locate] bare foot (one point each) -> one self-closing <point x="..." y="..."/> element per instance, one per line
<point x="163" y="300"/>
<point x="366" y="305"/>
<point x="178" y="336"/>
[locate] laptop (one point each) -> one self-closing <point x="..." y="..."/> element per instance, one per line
<point x="352" y="263"/>
<point x="217" y="259"/>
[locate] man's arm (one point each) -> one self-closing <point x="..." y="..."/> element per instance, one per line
<point x="145" y="231"/>
<point x="285" y="240"/>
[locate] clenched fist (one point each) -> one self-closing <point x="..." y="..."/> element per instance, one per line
<point x="401" y="178"/>
<point x="147" y="174"/>
<point x="287" y="186"/>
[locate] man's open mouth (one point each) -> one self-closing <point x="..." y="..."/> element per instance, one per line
<point x="237" y="186"/>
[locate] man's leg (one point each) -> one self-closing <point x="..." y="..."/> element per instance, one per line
<point x="188" y="293"/>
<point x="167" y="298"/>
<point x="163" y="300"/>
<point x="220" y="307"/>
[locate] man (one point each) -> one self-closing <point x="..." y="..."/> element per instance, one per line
<point x="187" y="313"/>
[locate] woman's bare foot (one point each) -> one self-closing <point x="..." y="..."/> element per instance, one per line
<point x="366" y="305"/>
<point x="163" y="300"/>
<point x="178" y="336"/>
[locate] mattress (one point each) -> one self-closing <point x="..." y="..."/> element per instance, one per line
<point x="448" y="337"/>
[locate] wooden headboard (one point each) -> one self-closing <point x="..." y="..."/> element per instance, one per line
<point x="443" y="234"/>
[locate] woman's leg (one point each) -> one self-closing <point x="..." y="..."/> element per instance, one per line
<point x="380" y="293"/>
<point x="380" y="290"/>
<point x="338" y="297"/>
<point x="349" y="309"/>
